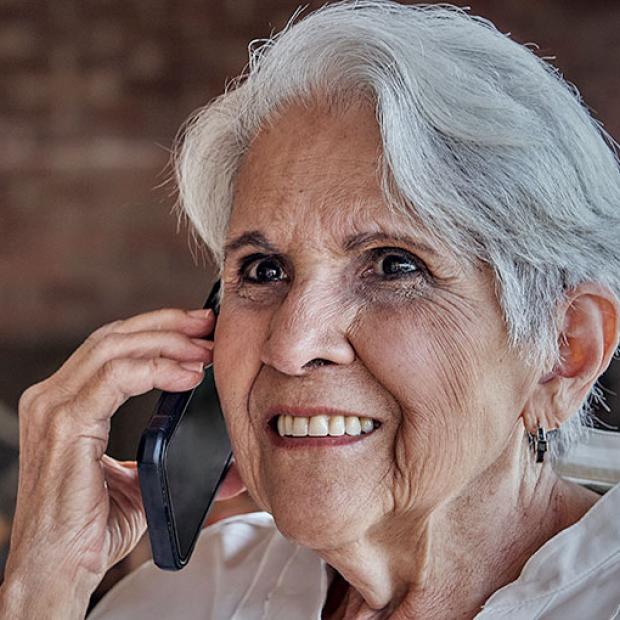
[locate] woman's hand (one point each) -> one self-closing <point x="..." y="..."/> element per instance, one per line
<point x="78" y="510"/>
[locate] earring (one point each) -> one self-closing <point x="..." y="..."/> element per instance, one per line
<point x="539" y="443"/>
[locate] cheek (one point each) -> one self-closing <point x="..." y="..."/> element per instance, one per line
<point x="420" y="353"/>
<point x="236" y="360"/>
<point x="431" y="357"/>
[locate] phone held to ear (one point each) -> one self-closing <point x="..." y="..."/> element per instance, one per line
<point x="183" y="457"/>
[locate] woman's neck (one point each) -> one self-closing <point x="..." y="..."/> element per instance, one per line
<point x="448" y="563"/>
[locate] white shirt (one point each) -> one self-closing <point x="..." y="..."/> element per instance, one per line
<point x="244" y="569"/>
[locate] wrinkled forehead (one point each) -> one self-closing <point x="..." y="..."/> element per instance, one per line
<point x="314" y="175"/>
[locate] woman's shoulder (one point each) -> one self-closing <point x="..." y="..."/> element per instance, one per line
<point x="243" y="567"/>
<point x="575" y="574"/>
<point x="237" y="566"/>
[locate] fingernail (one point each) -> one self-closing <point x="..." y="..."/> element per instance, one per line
<point x="192" y="366"/>
<point x="203" y="313"/>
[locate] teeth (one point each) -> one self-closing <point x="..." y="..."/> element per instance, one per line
<point x="288" y="425"/>
<point x="352" y="425"/>
<point x="300" y="426"/>
<point x="367" y="425"/>
<point x="318" y="426"/>
<point x="323" y="425"/>
<point x="336" y="425"/>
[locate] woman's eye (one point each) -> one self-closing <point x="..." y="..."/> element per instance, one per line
<point x="390" y="263"/>
<point x="262" y="270"/>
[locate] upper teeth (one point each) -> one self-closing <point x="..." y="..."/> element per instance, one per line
<point x="323" y="425"/>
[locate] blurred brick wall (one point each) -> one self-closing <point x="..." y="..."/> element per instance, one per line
<point x="92" y="93"/>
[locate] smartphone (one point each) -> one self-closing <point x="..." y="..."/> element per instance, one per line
<point x="183" y="457"/>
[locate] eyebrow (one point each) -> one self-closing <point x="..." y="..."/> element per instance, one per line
<point x="256" y="238"/>
<point x="354" y="241"/>
<point x="252" y="237"/>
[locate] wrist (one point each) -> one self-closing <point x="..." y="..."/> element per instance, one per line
<point x="26" y="596"/>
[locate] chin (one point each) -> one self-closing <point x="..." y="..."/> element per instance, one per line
<point x="318" y="514"/>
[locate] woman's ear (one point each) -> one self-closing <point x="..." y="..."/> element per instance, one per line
<point x="590" y="329"/>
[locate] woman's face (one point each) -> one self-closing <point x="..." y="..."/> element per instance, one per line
<point x="332" y="304"/>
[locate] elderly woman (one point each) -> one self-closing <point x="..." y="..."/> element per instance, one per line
<point x="417" y="228"/>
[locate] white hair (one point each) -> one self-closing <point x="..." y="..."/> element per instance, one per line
<point x="483" y="142"/>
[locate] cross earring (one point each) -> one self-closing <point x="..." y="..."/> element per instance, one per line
<point x="539" y="443"/>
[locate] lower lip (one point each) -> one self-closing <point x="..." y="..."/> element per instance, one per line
<point x="310" y="442"/>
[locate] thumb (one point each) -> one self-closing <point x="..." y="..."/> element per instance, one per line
<point x="232" y="485"/>
<point x="127" y="520"/>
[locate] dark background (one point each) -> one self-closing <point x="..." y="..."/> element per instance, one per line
<point x="92" y="93"/>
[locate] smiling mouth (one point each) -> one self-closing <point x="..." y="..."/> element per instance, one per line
<point x="322" y="425"/>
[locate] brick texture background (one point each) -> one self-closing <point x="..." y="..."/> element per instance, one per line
<point x="91" y="95"/>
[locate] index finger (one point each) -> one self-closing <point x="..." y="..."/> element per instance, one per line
<point x="190" y="322"/>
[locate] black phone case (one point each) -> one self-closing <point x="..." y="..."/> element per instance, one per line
<point x="152" y="473"/>
<point x="154" y="485"/>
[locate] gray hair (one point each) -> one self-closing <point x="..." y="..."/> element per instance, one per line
<point x="483" y="142"/>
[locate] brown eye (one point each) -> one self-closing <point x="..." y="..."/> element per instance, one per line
<point x="392" y="263"/>
<point x="263" y="270"/>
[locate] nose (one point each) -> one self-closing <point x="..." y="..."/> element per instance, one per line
<point x="307" y="330"/>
